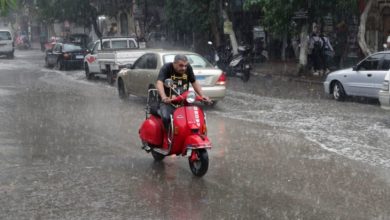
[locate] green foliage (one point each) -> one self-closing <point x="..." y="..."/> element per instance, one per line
<point x="191" y="15"/>
<point x="6" y="6"/>
<point x="277" y="14"/>
<point x="80" y="12"/>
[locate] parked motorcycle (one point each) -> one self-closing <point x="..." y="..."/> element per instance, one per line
<point x="238" y="65"/>
<point x="187" y="135"/>
<point x="22" y="43"/>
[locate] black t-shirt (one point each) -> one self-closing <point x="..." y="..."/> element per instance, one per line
<point x="181" y="81"/>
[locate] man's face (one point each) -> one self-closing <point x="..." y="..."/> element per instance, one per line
<point x="180" y="66"/>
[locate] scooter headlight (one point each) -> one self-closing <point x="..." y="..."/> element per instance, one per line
<point x="191" y="97"/>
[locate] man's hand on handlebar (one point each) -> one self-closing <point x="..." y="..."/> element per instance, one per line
<point x="207" y="100"/>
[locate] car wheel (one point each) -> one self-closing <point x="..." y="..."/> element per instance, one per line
<point x="88" y="74"/>
<point x="110" y="77"/>
<point x="338" y="92"/>
<point x="11" y="55"/>
<point x="121" y="90"/>
<point x="59" y="65"/>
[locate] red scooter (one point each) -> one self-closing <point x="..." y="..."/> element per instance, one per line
<point x="187" y="135"/>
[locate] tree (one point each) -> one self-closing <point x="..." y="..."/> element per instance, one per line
<point x="278" y="16"/>
<point x="79" y="12"/>
<point x="6" y="6"/>
<point x="198" y="19"/>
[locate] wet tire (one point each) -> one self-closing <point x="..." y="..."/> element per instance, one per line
<point x="338" y="92"/>
<point x="88" y="74"/>
<point x="157" y="156"/>
<point x="59" y="65"/>
<point x="245" y="77"/>
<point x="110" y="77"/>
<point x="121" y="90"/>
<point x="200" y="166"/>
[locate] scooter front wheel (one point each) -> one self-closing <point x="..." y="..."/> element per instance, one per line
<point x="199" y="162"/>
<point x="157" y="156"/>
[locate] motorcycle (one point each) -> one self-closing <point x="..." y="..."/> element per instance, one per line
<point x="238" y="65"/>
<point x="22" y="43"/>
<point x="187" y="133"/>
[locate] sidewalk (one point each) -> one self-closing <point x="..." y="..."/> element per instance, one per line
<point x="288" y="69"/>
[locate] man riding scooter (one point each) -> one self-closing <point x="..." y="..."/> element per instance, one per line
<point x="180" y="71"/>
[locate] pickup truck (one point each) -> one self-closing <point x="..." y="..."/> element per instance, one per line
<point x="108" y="55"/>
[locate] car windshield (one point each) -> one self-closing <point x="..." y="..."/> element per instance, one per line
<point x="194" y="60"/>
<point x="119" y="44"/>
<point x="5" y="35"/>
<point x="71" y="47"/>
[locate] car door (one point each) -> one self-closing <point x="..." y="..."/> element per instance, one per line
<point x="138" y="68"/>
<point x="52" y="56"/>
<point x="91" y="59"/>
<point x="148" y="75"/>
<point x="362" y="81"/>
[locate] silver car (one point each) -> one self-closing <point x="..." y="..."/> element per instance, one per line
<point x="384" y="93"/>
<point x="364" y="79"/>
<point x="143" y="74"/>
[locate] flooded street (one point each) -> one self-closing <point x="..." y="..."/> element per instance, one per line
<point x="69" y="149"/>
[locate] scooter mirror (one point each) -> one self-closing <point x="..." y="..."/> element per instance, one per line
<point x="168" y="83"/>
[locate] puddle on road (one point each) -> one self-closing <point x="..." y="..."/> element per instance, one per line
<point x="351" y="130"/>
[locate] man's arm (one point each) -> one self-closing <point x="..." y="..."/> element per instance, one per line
<point x="198" y="90"/>
<point x="161" y="91"/>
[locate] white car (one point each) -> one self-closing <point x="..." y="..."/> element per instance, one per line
<point x="104" y="53"/>
<point x="384" y="93"/>
<point x="6" y="43"/>
<point x="364" y="79"/>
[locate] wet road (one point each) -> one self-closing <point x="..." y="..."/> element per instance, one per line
<point x="69" y="150"/>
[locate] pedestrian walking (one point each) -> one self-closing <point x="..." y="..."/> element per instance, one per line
<point x="316" y="50"/>
<point x="328" y="53"/>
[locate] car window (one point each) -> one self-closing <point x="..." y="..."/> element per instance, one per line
<point x="106" y="45"/>
<point x="194" y="60"/>
<point x="57" y="48"/>
<point x="119" y="44"/>
<point x="132" y="44"/>
<point x="386" y="63"/>
<point x="71" y="47"/>
<point x="371" y="63"/>
<point x="151" y="61"/>
<point x="5" y="35"/>
<point x="141" y="62"/>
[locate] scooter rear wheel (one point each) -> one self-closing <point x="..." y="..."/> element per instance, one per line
<point x="200" y="165"/>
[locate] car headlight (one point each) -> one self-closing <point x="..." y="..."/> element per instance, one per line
<point x="191" y="97"/>
<point x="385" y="85"/>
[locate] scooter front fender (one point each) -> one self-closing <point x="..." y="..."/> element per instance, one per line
<point x="196" y="141"/>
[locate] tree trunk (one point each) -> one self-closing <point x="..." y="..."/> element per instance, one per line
<point x="303" y="50"/>
<point x="96" y="27"/>
<point x="284" y="47"/>
<point x="362" y="29"/>
<point x="232" y="35"/>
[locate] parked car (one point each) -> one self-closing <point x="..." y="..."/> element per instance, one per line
<point x="143" y="74"/>
<point x="116" y="53"/>
<point x="80" y="39"/>
<point x="364" y="79"/>
<point x="384" y="93"/>
<point x="7" y="46"/>
<point x="65" y="56"/>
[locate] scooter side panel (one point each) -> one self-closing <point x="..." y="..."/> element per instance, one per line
<point x="151" y="131"/>
<point x="181" y="129"/>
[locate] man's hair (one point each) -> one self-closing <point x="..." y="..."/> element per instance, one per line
<point x="180" y="57"/>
